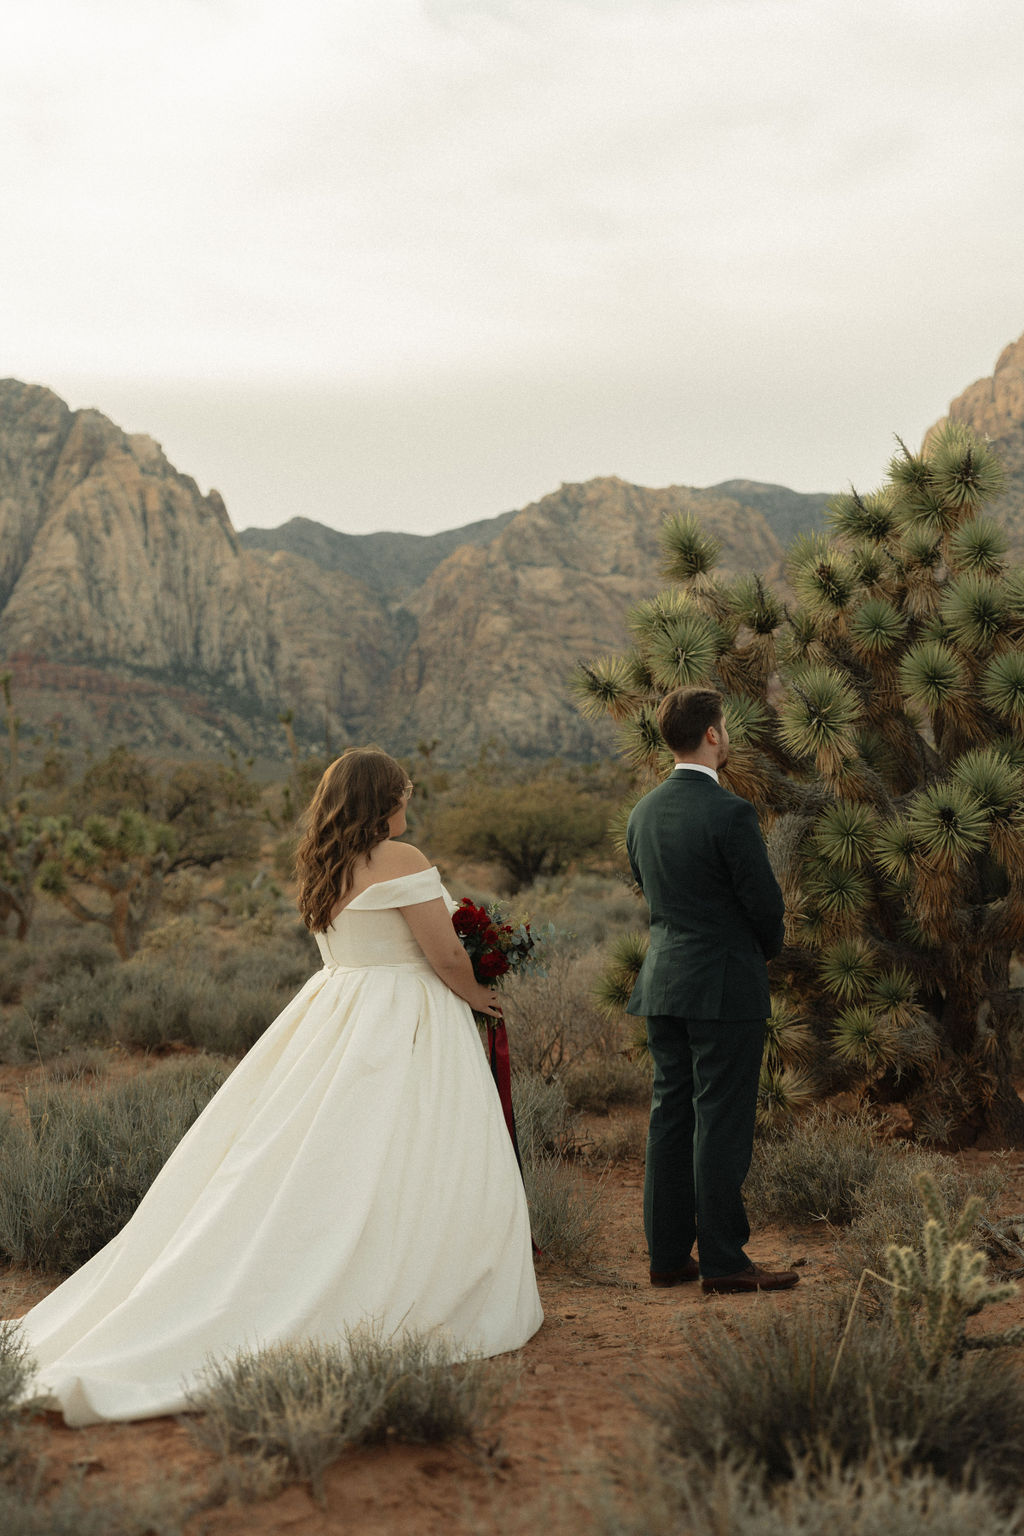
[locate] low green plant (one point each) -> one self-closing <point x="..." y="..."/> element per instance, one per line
<point x="73" y="1173"/>
<point x="290" y="1410"/>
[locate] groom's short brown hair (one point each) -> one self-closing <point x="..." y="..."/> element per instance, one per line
<point x="686" y="713"/>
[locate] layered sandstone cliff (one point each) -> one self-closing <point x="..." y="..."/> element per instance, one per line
<point x="130" y="609"/>
<point x="994" y="407"/>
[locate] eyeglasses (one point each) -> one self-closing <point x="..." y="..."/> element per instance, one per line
<point x="407" y="792"/>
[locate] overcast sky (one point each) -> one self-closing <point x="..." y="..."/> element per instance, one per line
<point x="409" y="263"/>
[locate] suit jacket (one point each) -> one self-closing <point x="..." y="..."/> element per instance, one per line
<point x="697" y="854"/>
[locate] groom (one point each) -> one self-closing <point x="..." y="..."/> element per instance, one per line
<point x="716" y="918"/>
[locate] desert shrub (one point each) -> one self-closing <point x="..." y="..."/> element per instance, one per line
<point x="15" y="1369"/>
<point x="544" y="1121"/>
<point x="565" y="1211"/>
<point x="552" y="1018"/>
<point x="661" y="1496"/>
<point x="591" y="907"/>
<point x="597" y="1082"/>
<point x="73" y="1175"/>
<point x="216" y="1003"/>
<point x="835" y="1167"/>
<point x="295" y="1407"/>
<point x="625" y="1141"/>
<point x="891" y="1209"/>
<point x="27" y="1508"/>
<point x="774" y="1390"/>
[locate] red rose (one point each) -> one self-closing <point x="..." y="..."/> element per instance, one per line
<point x="492" y="965"/>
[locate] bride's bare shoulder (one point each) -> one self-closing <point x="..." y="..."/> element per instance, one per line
<point x="391" y="859"/>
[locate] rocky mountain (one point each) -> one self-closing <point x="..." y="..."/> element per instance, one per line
<point x="131" y="610"/>
<point x="994" y="407"/>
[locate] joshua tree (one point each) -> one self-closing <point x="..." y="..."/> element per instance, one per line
<point x="876" y="716"/>
<point x="125" y="859"/>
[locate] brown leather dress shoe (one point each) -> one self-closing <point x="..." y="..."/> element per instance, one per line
<point x="689" y="1271"/>
<point x="752" y="1279"/>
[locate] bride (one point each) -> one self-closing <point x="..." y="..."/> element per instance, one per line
<point x="355" y="1167"/>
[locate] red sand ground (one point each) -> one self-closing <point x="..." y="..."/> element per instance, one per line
<point x="605" y="1335"/>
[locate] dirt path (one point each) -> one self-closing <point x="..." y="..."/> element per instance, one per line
<point x="605" y="1334"/>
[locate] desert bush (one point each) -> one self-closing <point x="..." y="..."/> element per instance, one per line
<point x="73" y="1175"/>
<point x="295" y="1407"/>
<point x="219" y="1003"/>
<point x="565" y="1211"/>
<point x="15" y="1369"/>
<point x="891" y="1209"/>
<point x="590" y="907"/>
<point x="661" y="1496"/>
<point x="625" y="1141"/>
<point x="774" y="1390"/>
<point x="595" y="1083"/>
<point x="836" y="1167"/>
<point x="28" y="1508"/>
<point x="544" y="1121"/>
<point x="552" y="1020"/>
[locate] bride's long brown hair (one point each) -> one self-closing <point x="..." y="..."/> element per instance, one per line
<point x="348" y="815"/>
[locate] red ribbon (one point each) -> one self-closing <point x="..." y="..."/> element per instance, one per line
<point x="501" y="1071"/>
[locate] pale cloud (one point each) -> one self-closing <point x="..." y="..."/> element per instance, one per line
<point x="592" y="207"/>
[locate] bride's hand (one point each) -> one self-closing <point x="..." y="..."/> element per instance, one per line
<point x="489" y="1003"/>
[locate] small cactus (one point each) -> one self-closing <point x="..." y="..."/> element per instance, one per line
<point x="936" y="1290"/>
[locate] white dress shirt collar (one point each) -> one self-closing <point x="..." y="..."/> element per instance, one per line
<point x="697" y="768"/>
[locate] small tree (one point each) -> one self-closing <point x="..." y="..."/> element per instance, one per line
<point x="876" y="724"/>
<point x="125" y="860"/>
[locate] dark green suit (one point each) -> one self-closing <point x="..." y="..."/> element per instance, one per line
<point x="716" y="919"/>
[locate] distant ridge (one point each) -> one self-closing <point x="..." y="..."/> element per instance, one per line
<point x="131" y="610"/>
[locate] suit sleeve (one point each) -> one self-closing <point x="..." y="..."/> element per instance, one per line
<point x="753" y="878"/>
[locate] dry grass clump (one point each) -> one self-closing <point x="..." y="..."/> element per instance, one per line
<point x="835" y="1167"/>
<point x="76" y="1171"/>
<point x="545" y="1124"/>
<point x="774" y="1391"/>
<point x="596" y="1083"/>
<point x="565" y="1211"/>
<point x="665" y="1497"/>
<point x="214" y="1002"/>
<point x="29" y="1508"/>
<point x="290" y="1410"/>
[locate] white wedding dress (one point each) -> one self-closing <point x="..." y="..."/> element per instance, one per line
<point x="354" y="1168"/>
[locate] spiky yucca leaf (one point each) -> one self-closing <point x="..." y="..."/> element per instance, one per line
<point x="894" y="991"/>
<point x="979" y="545"/>
<point x="990" y="778"/>
<point x="689" y="552"/>
<point x="910" y="473"/>
<point x="746" y="718"/>
<point x="920" y="549"/>
<point x="847" y="969"/>
<point x="604" y="687"/>
<point x="1002" y="686"/>
<point x="783" y="1092"/>
<point x="654" y="615"/>
<point x="865" y="1040"/>
<point x="822" y="575"/>
<point x="818" y="716"/>
<point x="973" y="610"/>
<point x="870" y="517"/>
<point x="948" y="823"/>
<point x="871" y="565"/>
<point x="755" y="605"/>
<point x="787" y="1037"/>
<point x="641" y="741"/>
<point x="876" y="627"/>
<point x="931" y="675"/>
<point x="844" y="833"/>
<point x="965" y="470"/>
<point x="683" y="652"/>
<point x="614" y="986"/>
<point x="839" y="894"/>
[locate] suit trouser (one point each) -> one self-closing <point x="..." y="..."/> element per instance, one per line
<point x="701" y="1136"/>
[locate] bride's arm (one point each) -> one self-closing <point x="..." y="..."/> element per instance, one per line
<point x="432" y="929"/>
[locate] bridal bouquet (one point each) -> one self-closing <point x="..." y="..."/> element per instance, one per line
<point x="496" y="948"/>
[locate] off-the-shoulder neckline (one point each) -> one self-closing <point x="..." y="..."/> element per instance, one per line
<point x="375" y="885"/>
